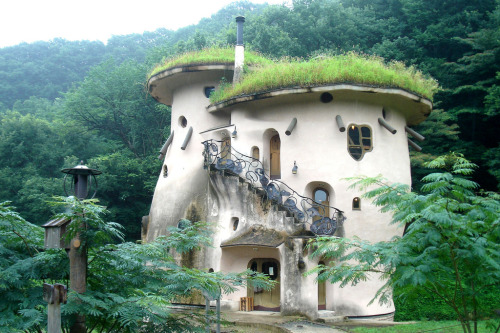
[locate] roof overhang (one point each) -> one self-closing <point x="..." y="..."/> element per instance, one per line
<point x="162" y="84"/>
<point x="415" y="108"/>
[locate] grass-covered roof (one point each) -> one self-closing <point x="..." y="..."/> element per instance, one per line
<point x="209" y="56"/>
<point x="265" y="75"/>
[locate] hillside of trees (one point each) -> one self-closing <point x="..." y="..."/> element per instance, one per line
<point x="63" y="101"/>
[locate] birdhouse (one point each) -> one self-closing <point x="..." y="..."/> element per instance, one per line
<point x="55" y="233"/>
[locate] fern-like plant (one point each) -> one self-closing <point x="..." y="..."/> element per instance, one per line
<point x="450" y="247"/>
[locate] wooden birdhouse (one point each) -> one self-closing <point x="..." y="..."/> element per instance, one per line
<point x="55" y="233"/>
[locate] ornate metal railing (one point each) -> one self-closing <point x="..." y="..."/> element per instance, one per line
<point x="304" y="210"/>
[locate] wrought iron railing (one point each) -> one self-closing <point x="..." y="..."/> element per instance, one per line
<point x="304" y="210"/>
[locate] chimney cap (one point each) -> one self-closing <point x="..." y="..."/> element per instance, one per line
<point x="240" y="19"/>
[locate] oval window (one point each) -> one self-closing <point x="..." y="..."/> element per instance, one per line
<point x="182" y="121"/>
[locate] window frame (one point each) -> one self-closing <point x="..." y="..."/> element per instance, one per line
<point x="361" y="140"/>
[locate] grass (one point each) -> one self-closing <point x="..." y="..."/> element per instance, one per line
<point x="349" y="68"/>
<point x="208" y="56"/>
<point x="263" y="74"/>
<point x="423" y="326"/>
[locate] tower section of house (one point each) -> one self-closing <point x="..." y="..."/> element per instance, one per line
<point x="266" y="164"/>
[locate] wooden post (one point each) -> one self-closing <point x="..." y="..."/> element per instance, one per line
<point x="414" y="145"/>
<point x="78" y="260"/>
<point x="340" y="123"/>
<point x="387" y="126"/>
<point x="186" y="139"/>
<point x="291" y="126"/>
<point x="54" y="295"/>
<point x="417" y="136"/>
<point x="78" y="278"/>
<point x="218" y="315"/>
<point x="207" y="315"/>
<point x="163" y="150"/>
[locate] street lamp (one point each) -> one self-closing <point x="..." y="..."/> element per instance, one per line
<point x="78" y="254"/>
<point x="80" y="185"/>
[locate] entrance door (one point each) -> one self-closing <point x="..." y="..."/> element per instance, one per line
<point x="265" y="300"/>
<point x="321" y="196"/>
<point x="321" y="293"/>
<point x="275" y="146"/>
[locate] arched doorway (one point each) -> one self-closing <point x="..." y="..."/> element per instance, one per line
<point x="265" y="300"/>
<point x="321" y="292"/>
<point x="322" y="197"/>
<point x="274" y="152"/>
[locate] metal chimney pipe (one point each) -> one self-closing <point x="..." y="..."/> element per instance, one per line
<point x="239" y="51"/>
<point x="239" y="30"/>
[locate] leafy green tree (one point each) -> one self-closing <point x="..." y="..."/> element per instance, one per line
<point x="24" y="265"/>
<point x="451" y="245"/>
<point x="127" y="283"/>
<point x="126" y="187"/>
<point x="112" y="101"/>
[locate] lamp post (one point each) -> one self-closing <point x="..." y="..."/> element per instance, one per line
<point x="77" y="253"/>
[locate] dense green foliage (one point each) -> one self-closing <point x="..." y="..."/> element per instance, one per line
<point x="450" y="248"/>
<point x="122" y="290"/>
<point x="62" y="102"/>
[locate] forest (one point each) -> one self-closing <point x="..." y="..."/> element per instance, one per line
<point x="62" y="102"/>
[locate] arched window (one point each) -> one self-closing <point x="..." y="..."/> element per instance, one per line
<point x="255" y="153"/>
<point x="359" y="140"/>
<point x="356" y="203"/>
<point x="235" y="222"/>
<point x="321" y="197"/>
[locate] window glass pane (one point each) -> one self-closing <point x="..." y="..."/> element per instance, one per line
<point x="356" y="153"/>
<point x="367" y="144"/>
<point x="320" y="196"/>
<point x="366" y="132"/>
<point x="354" y="135"/>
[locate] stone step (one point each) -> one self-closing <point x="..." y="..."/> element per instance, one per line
<point x="326" y="313"/>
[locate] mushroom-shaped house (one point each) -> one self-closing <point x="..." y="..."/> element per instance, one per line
<point x="263" y="159"/>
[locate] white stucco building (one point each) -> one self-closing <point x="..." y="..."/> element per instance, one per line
<point x="267" y="170"/>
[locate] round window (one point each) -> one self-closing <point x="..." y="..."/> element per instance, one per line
<point x="326" y="97"/>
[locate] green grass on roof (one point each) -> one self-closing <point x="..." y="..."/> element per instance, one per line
<point x="350" y="68"/>
<point x="209" y="56"/>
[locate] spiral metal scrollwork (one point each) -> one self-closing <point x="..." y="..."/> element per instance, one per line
<point x="305" y="210"/>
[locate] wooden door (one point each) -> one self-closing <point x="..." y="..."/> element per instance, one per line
<point x="275" y="145"/>
<point x="321" y="196"/>
<point x="266" y="300"/>
<point x="321" y="293"/>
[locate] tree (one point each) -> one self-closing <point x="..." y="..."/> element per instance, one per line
<point x="450" y="248"/>
<point x="23" y="268"/>
<point x="129" y="286"/>
<point x="112" y="101"/>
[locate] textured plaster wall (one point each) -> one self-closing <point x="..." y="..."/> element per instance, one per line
<point x="320" y="151"/>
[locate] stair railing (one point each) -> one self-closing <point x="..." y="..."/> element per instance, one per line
<point x="303" y="209"/>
